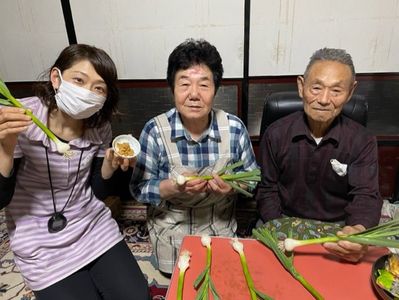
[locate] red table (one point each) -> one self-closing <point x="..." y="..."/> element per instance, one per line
<point x="330" y="276"/>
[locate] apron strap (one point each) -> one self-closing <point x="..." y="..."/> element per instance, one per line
<point x="171" y="148"/>
<point x="166" y="132"/>
<point x="224" y="146"/>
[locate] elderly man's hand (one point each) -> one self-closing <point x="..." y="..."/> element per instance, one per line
<point x="347" y="250"/>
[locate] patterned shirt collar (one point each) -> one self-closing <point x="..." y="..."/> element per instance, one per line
<point x="179" y="132"/>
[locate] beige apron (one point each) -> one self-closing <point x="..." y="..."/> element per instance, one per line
<point x="200" y="214"/>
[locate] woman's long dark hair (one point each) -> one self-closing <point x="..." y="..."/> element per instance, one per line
<point x="104" y="67"/>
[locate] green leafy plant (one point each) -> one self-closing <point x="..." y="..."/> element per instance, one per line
<point x="270" y="240"/>
<point x="204" y="283"/>
<point x="237" y="181"/>
<point x="9" y="100"/>
<point x="388" y="282"/>
<point x="381" y="235"/>
<point x="255" y="294"/>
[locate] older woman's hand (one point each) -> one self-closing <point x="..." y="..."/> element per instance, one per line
<point x="194" y="186"/>
<point x="218" y="186"/>
<point x="347" y="250"/>
<point x="168" y="188"/>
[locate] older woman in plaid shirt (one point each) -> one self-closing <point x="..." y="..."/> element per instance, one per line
<point x="192" y="138"/>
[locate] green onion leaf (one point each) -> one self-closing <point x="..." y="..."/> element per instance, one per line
<point x="204" y="283"/>
<point x="213" y="290"/>
<point x="231" y="167"/>
<point x="200" y="278"/>
<point x="383" y="235"/>
<point x="4" y="90"/>
<point x="270" y="240"/>
<point x="5" y="102"/>
<point x="202" y="292"/>
<point x="261" y="295"/>
<point x="239" y="189"/>
<point x="238" y="181"/>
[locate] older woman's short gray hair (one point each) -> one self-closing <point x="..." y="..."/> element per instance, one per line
<point x="332" y="54"/>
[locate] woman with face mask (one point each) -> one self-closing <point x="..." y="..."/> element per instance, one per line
<point x="64" y="240"/>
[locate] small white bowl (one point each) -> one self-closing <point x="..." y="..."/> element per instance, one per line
<point x="127" y="138"/>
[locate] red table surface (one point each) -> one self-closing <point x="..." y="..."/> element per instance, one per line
<point x="330" y="276"/>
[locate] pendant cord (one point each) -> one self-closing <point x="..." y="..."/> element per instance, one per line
<point x="51" y="183"/>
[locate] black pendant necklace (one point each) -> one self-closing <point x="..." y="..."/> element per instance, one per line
<point x="58" y="221"/>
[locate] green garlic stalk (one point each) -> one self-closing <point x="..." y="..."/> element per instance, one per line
<point x="247" y="179"/>
<point x="183" y="264"/>
<point x="204" y="283"/>
<point x="255" y="294"/>
<point x="381" y="235"/>
<point x="62" y="148"/>
<point x="270" y="240"/>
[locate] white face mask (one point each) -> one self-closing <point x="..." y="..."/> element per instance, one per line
<point x="77" y="102"/>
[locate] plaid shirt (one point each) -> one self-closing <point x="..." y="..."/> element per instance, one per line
<point x="153" y="165"/>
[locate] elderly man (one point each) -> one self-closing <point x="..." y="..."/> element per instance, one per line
<point x="192" y="138"/>
<point x="319" y="164"/>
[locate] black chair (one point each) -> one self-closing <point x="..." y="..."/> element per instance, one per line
<point x="280" y="104"/>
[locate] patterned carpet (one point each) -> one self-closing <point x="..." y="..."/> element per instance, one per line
<point x="132" y="223"/>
